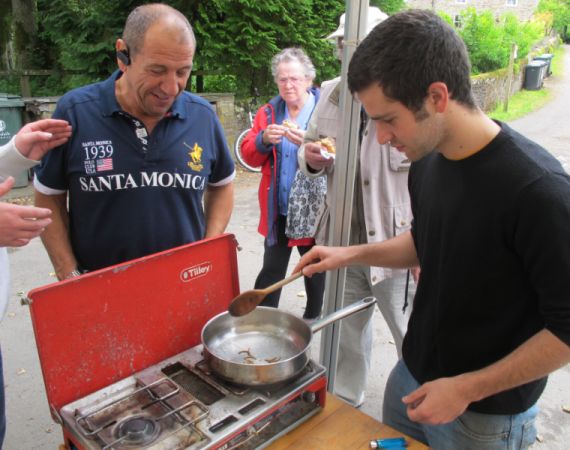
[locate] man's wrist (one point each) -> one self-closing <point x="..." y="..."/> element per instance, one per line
<point x="74" y="273"/>
<point x="311" y="169"/>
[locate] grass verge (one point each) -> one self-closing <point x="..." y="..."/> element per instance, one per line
<point x="524" y="102"/>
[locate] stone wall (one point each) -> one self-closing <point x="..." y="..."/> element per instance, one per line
<point x="523" y="9"/>
<point x="490" y="89"/>
<point x="39" y="107"/>
<point x="224" y="105"/>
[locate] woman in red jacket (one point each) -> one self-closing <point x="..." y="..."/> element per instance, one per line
<point x="272" y="143"/>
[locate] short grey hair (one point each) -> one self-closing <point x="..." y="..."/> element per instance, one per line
<point x="142" y="17"/>
<point x="293" y="54"/>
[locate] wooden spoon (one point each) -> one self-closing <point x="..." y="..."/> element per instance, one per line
<point x="246" y="302"/>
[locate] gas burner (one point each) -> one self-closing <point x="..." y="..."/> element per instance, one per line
<point x="141" y="416"/>
<point x="137" y="430"/>
<point x="179" y="404"/>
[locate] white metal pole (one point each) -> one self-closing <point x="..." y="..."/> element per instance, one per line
<point x="345" y="173"/>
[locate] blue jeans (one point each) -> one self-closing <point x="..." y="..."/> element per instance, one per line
<point x="355" y="343"/>
<point x="469" y="431"/>
<point x="2" y="404"/>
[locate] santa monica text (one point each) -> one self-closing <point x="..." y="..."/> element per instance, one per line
<point x="154" y="179"/>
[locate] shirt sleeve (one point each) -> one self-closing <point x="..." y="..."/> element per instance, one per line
<point x="12" y="162"/>
<point x="311" y="135"/>
<point x="223" y="170"/>
<point x="542" y="239"/>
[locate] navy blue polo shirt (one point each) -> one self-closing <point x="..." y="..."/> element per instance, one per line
<point x="130" y="194"/>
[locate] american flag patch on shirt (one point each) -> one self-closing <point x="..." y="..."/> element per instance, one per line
<point x="104" y="164"/>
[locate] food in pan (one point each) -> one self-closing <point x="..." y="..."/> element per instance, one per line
<point x="251" y="359"/>
<point x="290" y="124"/>
<point x="272" y="360"/>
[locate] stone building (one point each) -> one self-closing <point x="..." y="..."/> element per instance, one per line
<point x="523" y="9"/>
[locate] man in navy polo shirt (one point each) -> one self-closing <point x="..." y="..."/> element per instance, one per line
<point x="143" y="155"/>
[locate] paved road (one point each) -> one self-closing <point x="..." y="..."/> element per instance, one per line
<point x="550" y="125"/>
<point x="29" y="422"/>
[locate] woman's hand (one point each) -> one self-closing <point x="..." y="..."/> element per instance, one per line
<point x="295" y="135"/>
<point x="273" y="134"/>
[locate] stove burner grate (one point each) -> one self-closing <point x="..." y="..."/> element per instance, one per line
<point x="141" y="417"/>
<point x="193" y="383"/>
<point x="138" y="430"/>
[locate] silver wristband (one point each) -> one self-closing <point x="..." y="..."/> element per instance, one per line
<point x="74" y="273"/>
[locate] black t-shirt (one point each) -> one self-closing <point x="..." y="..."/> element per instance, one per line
<point x="492" y="233"/>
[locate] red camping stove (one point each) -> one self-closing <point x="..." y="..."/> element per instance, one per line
<point x="122" y="361"/>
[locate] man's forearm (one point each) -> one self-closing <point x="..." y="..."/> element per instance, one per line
<point x="398" y="252"/>
<point x="537" y="357"/>
<point x="218" y="206"/>
<point x="56" y="236"/>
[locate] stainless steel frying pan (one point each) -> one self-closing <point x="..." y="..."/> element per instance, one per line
<point x="266" y="346"/>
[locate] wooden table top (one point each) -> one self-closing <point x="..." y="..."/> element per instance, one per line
<point x="339" y="426"/>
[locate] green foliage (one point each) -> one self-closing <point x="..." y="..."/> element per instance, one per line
<point x="5" y="21"/>
<point x="524" y="34"/>
<point x="560" y="10"/>
<point x="389" y="6"/>
<point x="489" y="39"/>
<point x="220" y="83"/>
<point x="78" y="36"/>
<point x="483" y="38"/>
<point x="239" y="37"/>
<point x="235" y="37"/>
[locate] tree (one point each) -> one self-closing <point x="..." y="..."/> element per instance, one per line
<point x="18" y="37"/>
<point x="239" y="37"/>
<point x="389" y="6"/>
<point x="78" y="37"/>
<point x="560" y="10"/>
<point x="236" y="38"/>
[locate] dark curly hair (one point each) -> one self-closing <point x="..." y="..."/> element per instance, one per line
<point x="406" y="53"/>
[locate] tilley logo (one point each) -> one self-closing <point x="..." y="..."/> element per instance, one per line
<point x="195" y="154"/>
<point x="2" y="126"/>
<point x="197" y="271"/>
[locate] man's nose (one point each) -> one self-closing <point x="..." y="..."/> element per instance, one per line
<point x="382" y="134"/>
<point x="170" y="85"/>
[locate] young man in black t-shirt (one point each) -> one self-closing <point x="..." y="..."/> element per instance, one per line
<point x="491" y="315"/>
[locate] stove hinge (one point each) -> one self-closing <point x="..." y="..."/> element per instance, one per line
<point x="55" y="415"/>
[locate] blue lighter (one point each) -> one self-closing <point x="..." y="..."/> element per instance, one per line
<point x="392" y="443"/>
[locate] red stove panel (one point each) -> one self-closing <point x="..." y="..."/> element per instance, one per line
<point x="97" y="329"/>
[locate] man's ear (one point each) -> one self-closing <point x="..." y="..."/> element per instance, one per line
<point x="438" y="96"/>
<point x="123" y="56"/>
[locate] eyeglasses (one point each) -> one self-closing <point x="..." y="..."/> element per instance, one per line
<point x="293" y="80"/>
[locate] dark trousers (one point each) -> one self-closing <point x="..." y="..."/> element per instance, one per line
<point x="275" y="261"/>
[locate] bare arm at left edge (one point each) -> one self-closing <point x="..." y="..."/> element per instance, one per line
<point x="442" y="400"/>
<point x="218" y="206"/>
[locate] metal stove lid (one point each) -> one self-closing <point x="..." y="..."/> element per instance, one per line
<point x="99" y="328"/>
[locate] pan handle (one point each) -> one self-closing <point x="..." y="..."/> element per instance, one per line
<point x="342" y="313"/>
